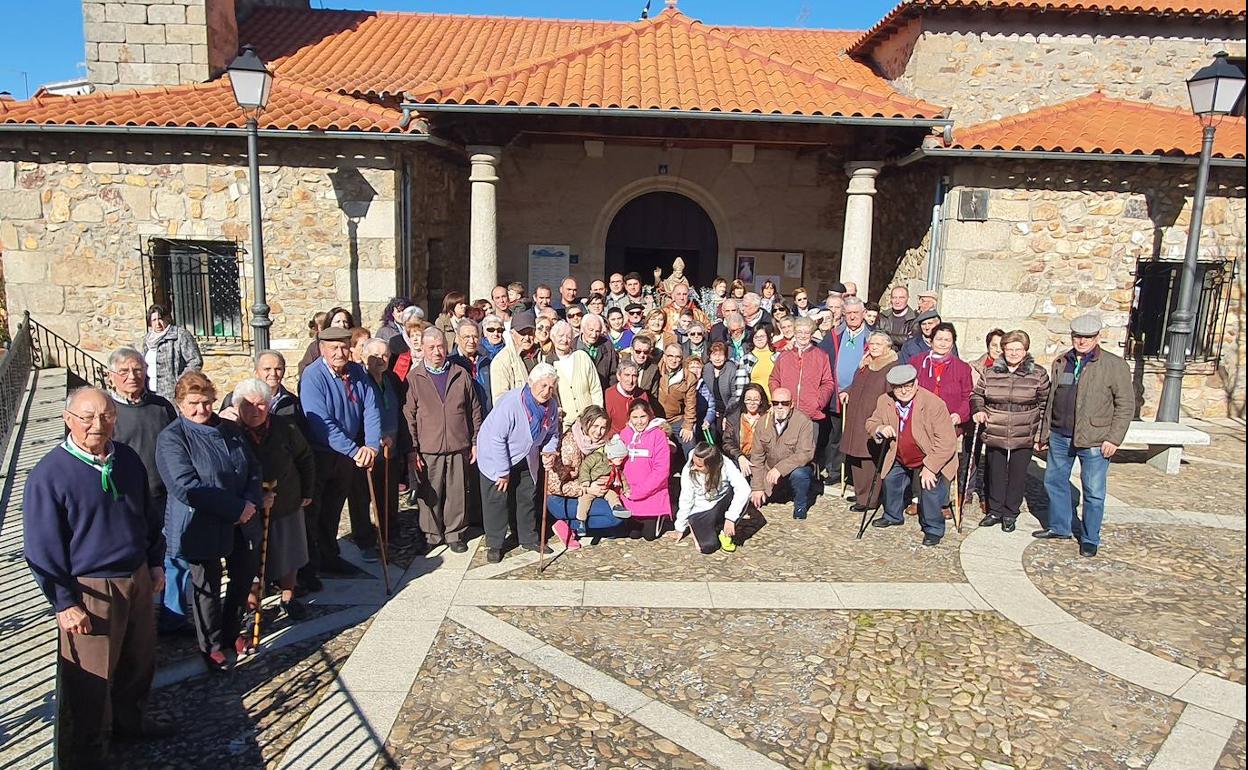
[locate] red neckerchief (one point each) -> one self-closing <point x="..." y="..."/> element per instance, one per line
<point x="346" y="384"/>
<point x="938" y="367"/>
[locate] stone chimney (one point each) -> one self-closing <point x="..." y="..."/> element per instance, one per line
<point x="138" y="43"/>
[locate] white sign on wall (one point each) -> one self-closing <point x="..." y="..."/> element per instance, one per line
<point x="549" y="265"/>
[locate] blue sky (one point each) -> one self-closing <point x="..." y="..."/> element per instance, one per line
<point x="43" y="38"/>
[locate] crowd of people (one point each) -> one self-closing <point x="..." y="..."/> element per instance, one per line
<point x="630" y="410"/>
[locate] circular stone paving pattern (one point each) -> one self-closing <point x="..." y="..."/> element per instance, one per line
<point x="1174" y="591"/>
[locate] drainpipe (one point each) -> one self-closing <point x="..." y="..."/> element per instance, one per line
<point x="936" y="248"/>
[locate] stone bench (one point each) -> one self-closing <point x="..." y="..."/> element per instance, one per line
<point x="1164" y="442"/>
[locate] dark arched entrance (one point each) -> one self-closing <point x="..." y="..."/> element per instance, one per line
<point x="653" y="229"/>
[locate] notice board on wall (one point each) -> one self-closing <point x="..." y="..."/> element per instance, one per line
<point x="786" y="268"/>
<point x="548" y="264"/>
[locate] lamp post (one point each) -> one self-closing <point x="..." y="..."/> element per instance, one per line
<point x="251" y="81"/>
<point x="1214" y="91"/>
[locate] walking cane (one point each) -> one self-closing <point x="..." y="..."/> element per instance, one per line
<point x="844" y="469"/>
<point x="541" y="549"/>
<point x="957" y="505"/>
<point x="381" y="542"/>
<point x="867" y="513"/>
<point x="971" y="469"/>
<point x="385" y="536"/>
<point x="267" y="486"/>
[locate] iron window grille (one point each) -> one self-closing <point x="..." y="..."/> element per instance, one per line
<point x="202" y="283"/>
<point x="1156" y="296"/>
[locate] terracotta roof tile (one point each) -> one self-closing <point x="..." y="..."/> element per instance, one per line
<point x="673" y="62"/>
<point x="206" y="105"/>
<point x="1098" y="124"/>
<point x="1230" y="9"/>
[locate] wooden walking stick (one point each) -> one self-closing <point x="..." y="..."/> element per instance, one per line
<point x="267" y="486"/>
<point x="868" y="512"/>
<point x="541" y="548"/>
<point x="381" y="542"/>
<point x="385" y="505"/>
<point x="844" y="469"/>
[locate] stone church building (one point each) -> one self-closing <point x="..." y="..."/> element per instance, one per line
<point x="1032" y="161"/>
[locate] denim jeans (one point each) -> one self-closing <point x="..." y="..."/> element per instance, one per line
<point x="1093" y="471"/>
<point x="797" y="486"/>
<point x="601" y="520"/>
<point x="897" y="494"/>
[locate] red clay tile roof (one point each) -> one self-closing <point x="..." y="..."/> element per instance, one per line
<point x="207" y="105"/>
<point x="673" y="62"/>
<point x="1228" y="9"/>
<point x="1098" y="124"/>
<point x="668" y="62"/>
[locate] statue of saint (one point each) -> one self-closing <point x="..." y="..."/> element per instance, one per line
<point x="665" y="285"/>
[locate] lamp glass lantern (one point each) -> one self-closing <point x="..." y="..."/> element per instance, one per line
<point x="250" y="79"/>
<point x="1215" y="88"/>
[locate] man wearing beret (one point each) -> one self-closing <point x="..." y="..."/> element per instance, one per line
<point x="1087" y="418"/>
<point x="924" y="326"/>
<point x="344" y="429"/>
<point x="920" y="437"/>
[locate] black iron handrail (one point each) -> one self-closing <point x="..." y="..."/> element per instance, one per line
<point x="14" y="372"/>
<point x="50" y="350"/>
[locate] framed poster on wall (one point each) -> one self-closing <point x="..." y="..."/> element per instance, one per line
<point x="549" y="265"/>
<point x="785" y="268"/>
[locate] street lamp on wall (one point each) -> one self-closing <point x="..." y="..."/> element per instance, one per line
<point x="1214" y="91"/>
<point x="251" y="82"/>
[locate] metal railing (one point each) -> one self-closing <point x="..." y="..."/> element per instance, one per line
<point x="50" y="350"/>
<point x="14" y="373"/>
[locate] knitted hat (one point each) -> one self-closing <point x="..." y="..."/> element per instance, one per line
<point x="615" y="449"/>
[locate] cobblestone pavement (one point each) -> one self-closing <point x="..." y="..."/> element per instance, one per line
<point x="475" y="705"/>
<point x="244" y="719"/>
<point x="1177" y="592"/>
<point x="776" y="548"/>
<point x="1233" y="756"/>
<point x="940" y="690"/>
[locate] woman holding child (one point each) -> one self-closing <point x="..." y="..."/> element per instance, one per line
<point x="586" y="480"/>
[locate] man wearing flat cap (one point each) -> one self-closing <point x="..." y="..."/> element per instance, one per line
<point x="927" y="300"/>
<point x="914" y="426"/>
<point x="344" y="429"/>
<point x="510" y="368"/>
<point x="925" y="324"/>
<point x="1087" y="418"/>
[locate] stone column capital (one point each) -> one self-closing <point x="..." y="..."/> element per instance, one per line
<point x="862" y="174"/>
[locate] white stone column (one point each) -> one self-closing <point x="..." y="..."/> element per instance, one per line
<point x="483" y="272"/>
<point x="859" y="207"/>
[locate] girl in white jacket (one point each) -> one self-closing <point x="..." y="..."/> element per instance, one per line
<point x="713" y="494"/>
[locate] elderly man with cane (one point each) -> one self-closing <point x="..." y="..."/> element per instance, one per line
<point x="922" y="437"/>
<point x="344" y="429"/>
<point x="523" y="425"/>
<point x="93" y="541"/>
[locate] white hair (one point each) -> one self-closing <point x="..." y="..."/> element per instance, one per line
<point x="126" y="354"/>
<point x="543" y="371"/>
<point x="411" y="313"/>
<point x="733" y="318"/>
<point x="881" y="336"/>
<point x="752" y="297"/>
<point x="374" y="342"/>
<point x="77" y="393"/>
<point x="804" y="323"/>
<point x="433" y="333"/>
<point x="595" y="319"/>
<point x="851" y="302"/>
<point x="253" y="386"/>
<point x="562" y="326"/>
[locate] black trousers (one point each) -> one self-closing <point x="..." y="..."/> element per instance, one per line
<point x="336" y="476"/>
<point x="1006" y="480"/>
<point x="519" y="501"/>
<point x="706" y="525"/>
<point x="217" y="623"/>
<point x="828" y="447"/>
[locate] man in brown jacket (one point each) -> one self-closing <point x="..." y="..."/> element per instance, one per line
<point x="921" y="437"/>
<point x="784" y="446"/>
<point x="1087" y="418"/>
<point x="677" y="396"/>
<point x="444" y="416"/>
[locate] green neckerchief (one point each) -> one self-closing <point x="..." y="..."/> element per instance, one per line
<point x="105" y="468"/>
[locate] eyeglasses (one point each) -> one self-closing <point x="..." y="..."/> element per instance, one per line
<point x="105" y="418"/>
<point x="695" y="333"/>
<point x="494" y="329"/>
<point x="781" y="403"/>
<point x="124" y="373"/>
<point x="574" y="315"/>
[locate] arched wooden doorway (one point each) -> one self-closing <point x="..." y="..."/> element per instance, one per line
<point x="653" y="229"/>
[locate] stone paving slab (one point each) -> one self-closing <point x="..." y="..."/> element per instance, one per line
<point x="1177" y="592"/>
<point x="1198" y="740"/>
<point x="1234" y="754"/>
<point x="933" y="689"/>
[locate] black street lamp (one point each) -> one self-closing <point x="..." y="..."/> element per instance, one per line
<point x="1214" y="91"/>
<point x="252" y="81"/>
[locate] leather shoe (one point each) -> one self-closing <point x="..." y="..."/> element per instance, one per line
<point x="493" y="555"/>
<point x="534" y="547"/>
<point x="882" y="522"/>
<point x="931" y="540"/>
<point x="458" y="547"/>
<point x="1007" y="525"/>
<point x="991" y="520"/>
<point x="1087" y="549"/>
<point x="1044" y="534"/>
<point x="856" y="508"/>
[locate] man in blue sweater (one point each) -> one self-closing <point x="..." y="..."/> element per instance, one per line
<point x="344" y="429"/>
<point x="94" y="544"/>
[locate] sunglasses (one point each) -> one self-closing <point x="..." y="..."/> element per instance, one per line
<point x="575" y="315"/>
<point x="781" y="403"/>
<point x="494" y="329"/>
<point x="696" y="333"/>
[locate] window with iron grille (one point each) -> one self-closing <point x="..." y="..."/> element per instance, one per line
<point x="202" y="283"/>
<point x="1157" y="296"/>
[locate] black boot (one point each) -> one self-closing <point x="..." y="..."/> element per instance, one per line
<point x="1007" y="525"/>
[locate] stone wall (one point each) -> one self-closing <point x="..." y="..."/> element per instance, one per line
<point x="76" y="209"/>
<point x="1064" y="239"/>
<point x="900" y="237"/>
<point x="555" y="193"/>
<point x="988" y="66"/>
<point x="440" y="205"/>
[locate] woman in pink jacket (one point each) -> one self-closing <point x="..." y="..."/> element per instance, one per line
<point x="647" y="470"/>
